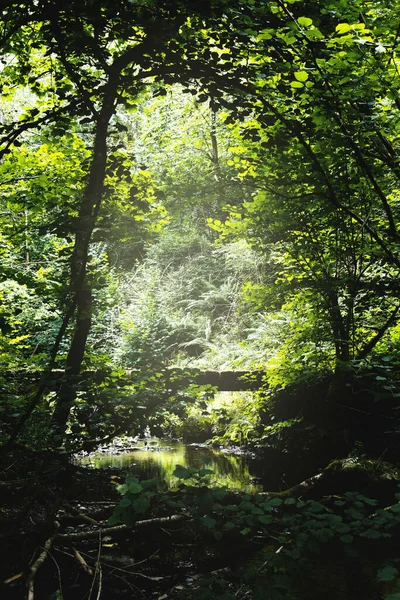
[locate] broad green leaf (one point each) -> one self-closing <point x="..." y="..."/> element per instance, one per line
<point x="125" y="502"/>
<point x="129" y="518"/>
<point x="209" y="522"/>
<point x="141" y="505"/>
<point x="113" y="520"/>
<point x="275" y="502"/>
<point x="134" y="487"/>
<point x="301" y="76"/>
<point x="290" y="501"/>
<point x="387" y="573"/>
<point x="343" y="28"/>
<point x="305" y="21"/>
<point x="266" y="519"/>
<point x="181" y="472"/>
<point x="371" y="534"/>
<point x="204" y="472"/>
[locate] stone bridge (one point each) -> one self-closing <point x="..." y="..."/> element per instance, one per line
<point x="175" y="379"/>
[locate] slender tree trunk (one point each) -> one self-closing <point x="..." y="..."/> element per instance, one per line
<point x="80" y="282"/>
<point x="339" y="329"/>
<point x="214" y="141"/>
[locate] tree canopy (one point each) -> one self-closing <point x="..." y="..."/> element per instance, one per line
<point x="271" y="125"/>
<point x="189" y="188"/>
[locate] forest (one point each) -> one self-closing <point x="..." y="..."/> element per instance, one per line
<point x="199" y="299"/>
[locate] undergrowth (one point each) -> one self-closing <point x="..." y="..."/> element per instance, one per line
<point x="291" y="540"/>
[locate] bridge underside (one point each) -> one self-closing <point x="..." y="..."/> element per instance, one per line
<point x="226" y="381"/>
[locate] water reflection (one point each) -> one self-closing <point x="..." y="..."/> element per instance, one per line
<point x="159" y="458"/>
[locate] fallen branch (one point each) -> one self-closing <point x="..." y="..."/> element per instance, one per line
<point x="86" y="535"/>
<point x="36" y="566"/>
<point x="77" y="513"/>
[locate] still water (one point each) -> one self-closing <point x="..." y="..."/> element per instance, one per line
<point x="158" y="458"/>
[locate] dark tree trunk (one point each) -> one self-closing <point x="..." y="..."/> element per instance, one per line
<point x="80" y="283"/>
<point x="340" y="332"/>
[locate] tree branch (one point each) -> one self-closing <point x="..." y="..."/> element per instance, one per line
<point x="379" y="335"/>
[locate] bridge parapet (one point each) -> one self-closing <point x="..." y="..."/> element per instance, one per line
<point x="175" y="379"/>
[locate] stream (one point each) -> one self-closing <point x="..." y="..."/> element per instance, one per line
<point x="154" y="457"/>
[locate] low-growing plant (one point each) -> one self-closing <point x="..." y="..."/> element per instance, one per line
<point x="298" y="533"/>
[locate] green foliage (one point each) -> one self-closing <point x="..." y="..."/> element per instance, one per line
<point x="238" y="418"/>
<point x="135" y="503"/>
<point x="184" y="305"/>
<point x="212" y="588"/>
<point x="282" y="127"/>
<point x="301" y="532"/>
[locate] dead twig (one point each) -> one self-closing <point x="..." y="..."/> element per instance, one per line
<point x="36" y="566"/>
<point x="77" y="513"/>
<point x="86" y="535"/>
<point x="82" y="561"/>
<point x="98" y="573"/>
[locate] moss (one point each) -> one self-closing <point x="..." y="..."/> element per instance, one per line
<point x="375" y="469"/>
<point x="373" y="478"/>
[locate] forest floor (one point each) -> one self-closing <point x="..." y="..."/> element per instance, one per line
<point x="56" y="543"/>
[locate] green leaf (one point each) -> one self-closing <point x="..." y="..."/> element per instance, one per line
<point x="246" y="506"/>
<point x="129" y="518"/>
<point x="219" y="493"/>
<point x="296" y="84"/>
<point x="305" y="21"/>
<point x="276" y="502"/>
<point x="204" y="472"/>
<point x="316" y="507"/>
<point x="141" y="505"/>
<point x="301" y="75"/>
<point x="387" y="573"/>
<point x="134" y="487"/>
<point x="289" y="501"/>
<point x="113" y="520"/>
<point x="354" y="513"/>
<point x="343" y="28"/>
<point x="371" y="534"/>
<point x="209" y="522"/>
<point x="125" y="502"/>
<point x="266" y="519"/>
<point x="181" y="472"/>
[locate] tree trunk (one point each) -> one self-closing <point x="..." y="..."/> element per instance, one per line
<point x="80" y="283"/>
<point x="340" y="332"/>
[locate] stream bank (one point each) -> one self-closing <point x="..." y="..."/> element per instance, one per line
<point x="195" y="541"/>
